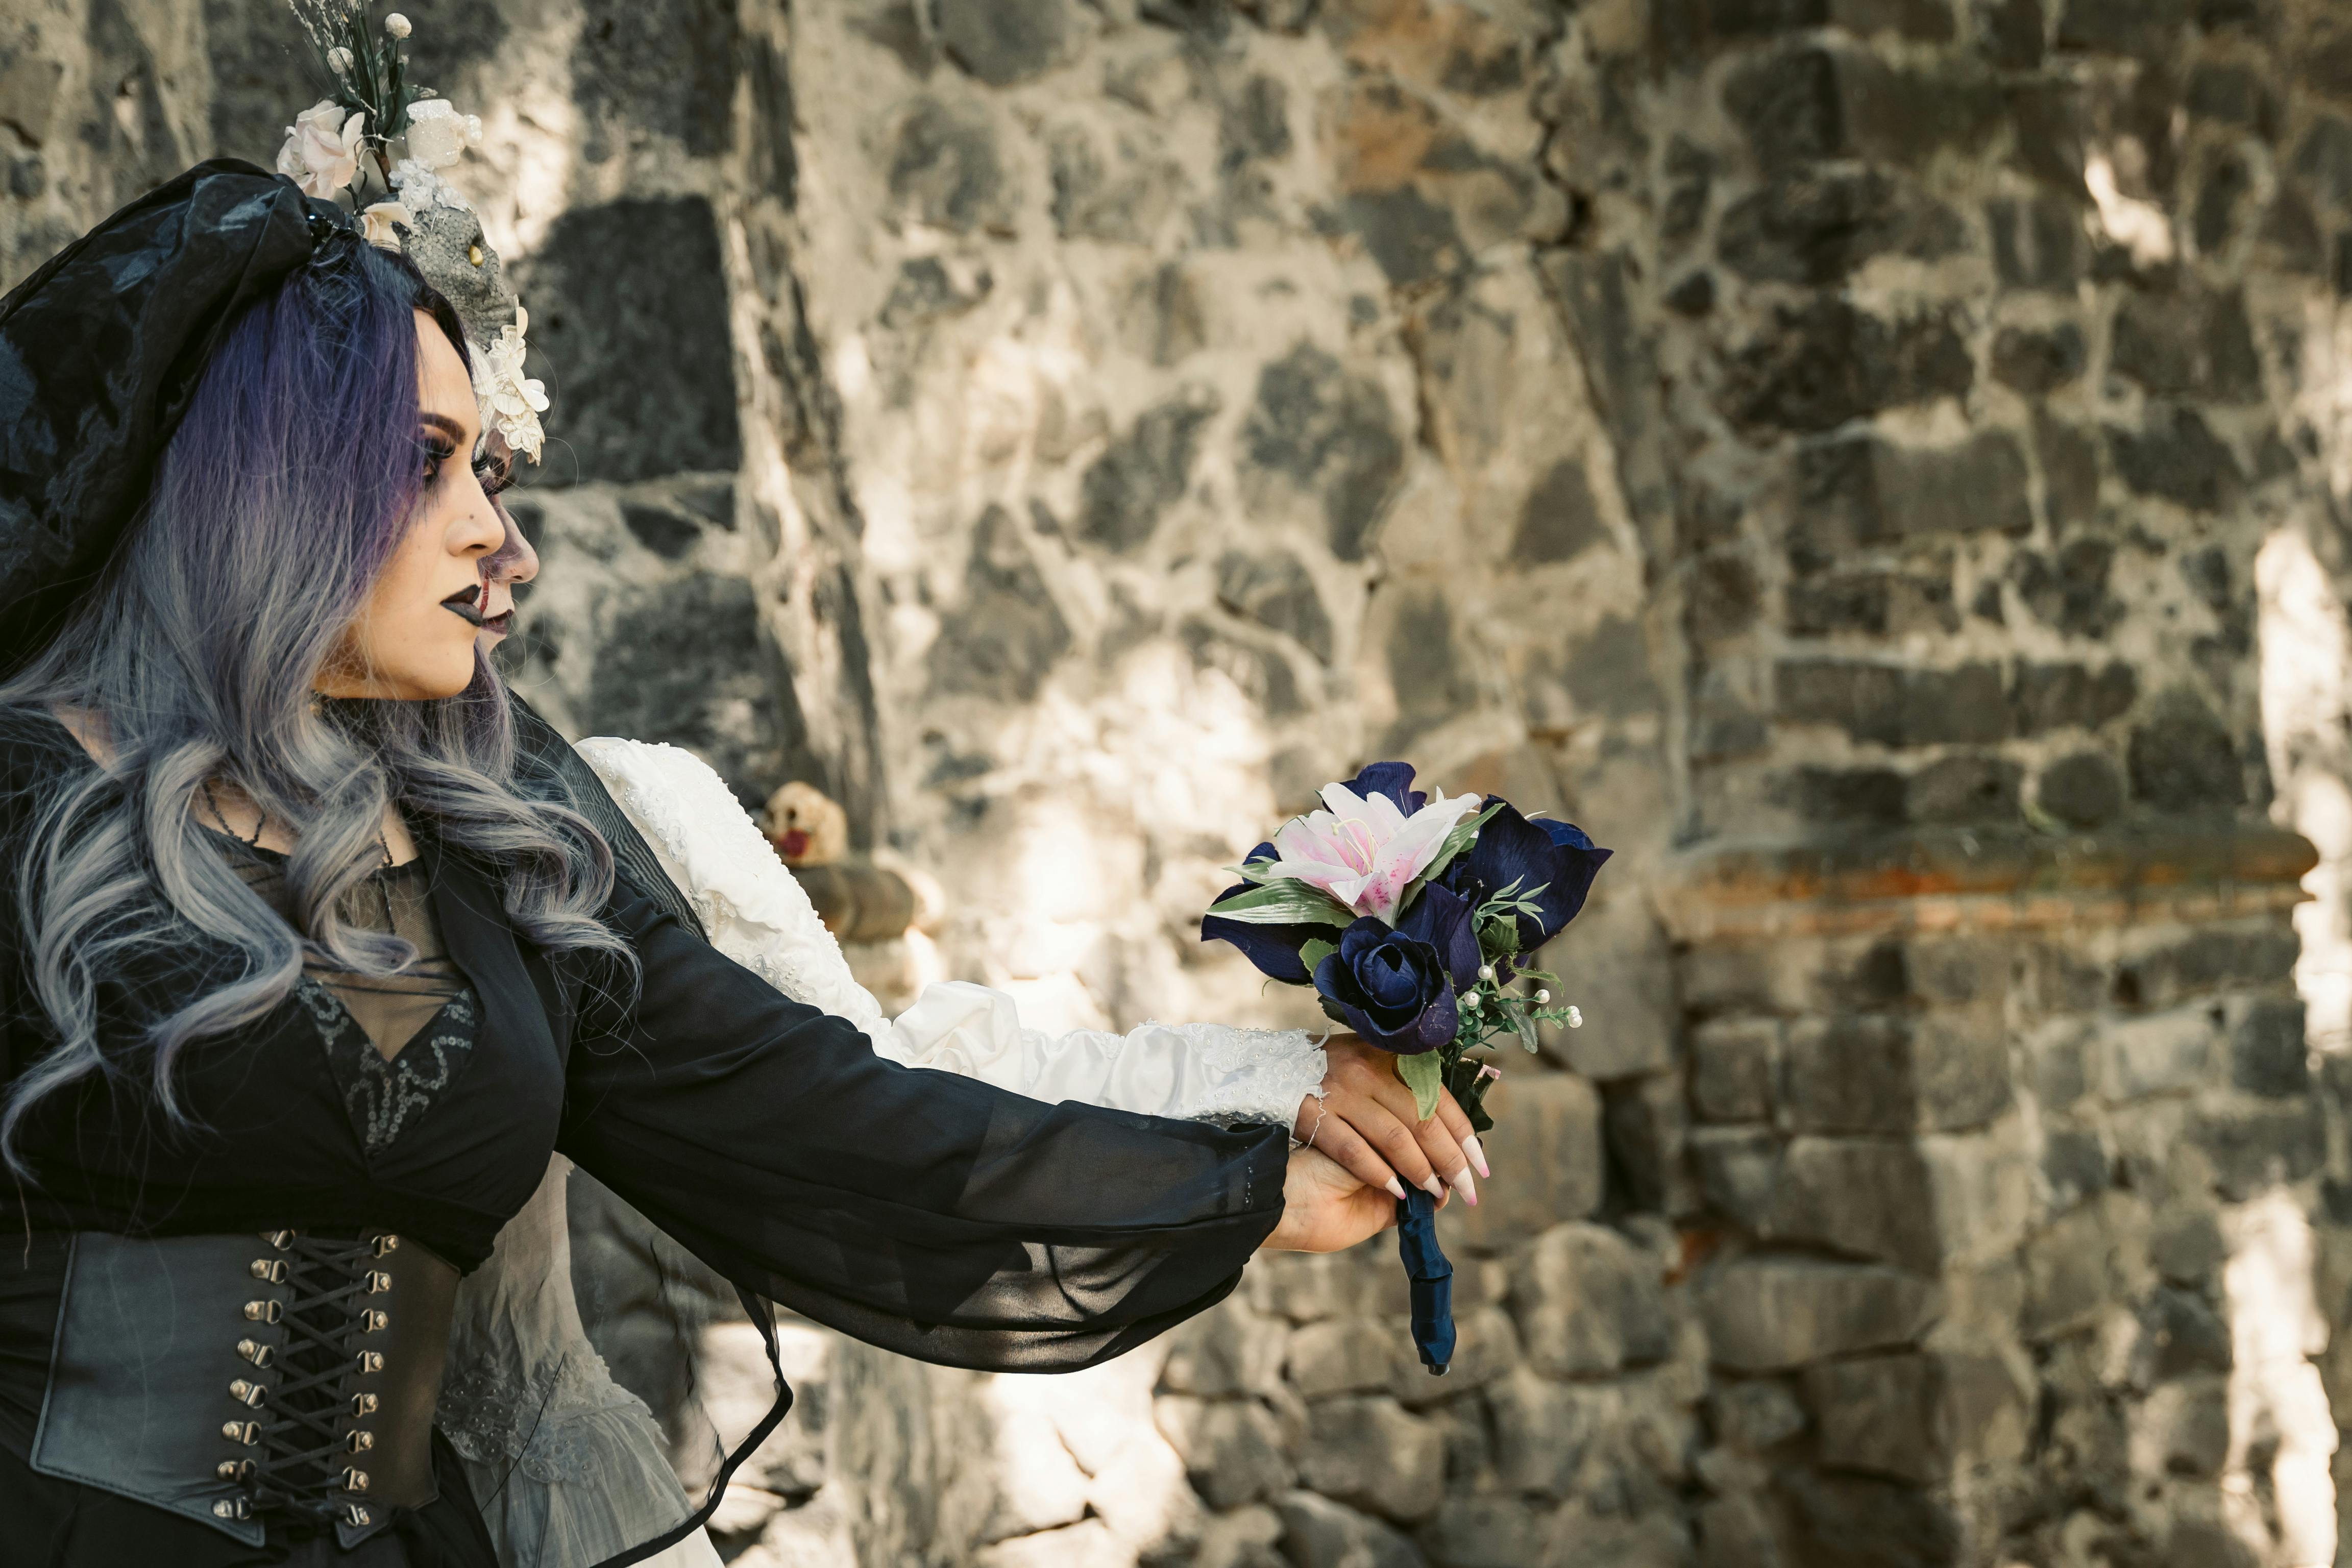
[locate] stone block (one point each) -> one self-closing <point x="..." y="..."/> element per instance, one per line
<point x="1815" y="226"/>
<point x="2254" y="1147"/>
<point x="1966" y="788"/>
<point x="1868" y="1198"/>
<point x="2074" y="1165"/>
<point x="1276" y="592"/>
<point x="2038" y="244"/>
<point x="2180" y="1335"/>
<point x="1882" y="1415"/>
<point x="1370" y="1454"/>
<point x="2036" y="360"/>
<point x="2081" y="791"/>
<point x="1233" y="1449"/>
<point x="685" y="661"/>
<point x="1547" y="1129"/>
<point x="1768" y="1313"/>
<point x="2174" y="456"/>
<point x="2169" y="1053"/>
<point x="946" y="169"/>
<point x="1754" y="1414"/>
<point x="1864" y="490"/>
<point x="1005" y="41"/>
<point x="667" y="66"/>
<point x="2136" y="27"/>
<point x="2084" y="1263"/>
<point x="1542" y="1430"/>
<point x="1813" y="367"/>
<point x="2046" y="696"/>
<point x="2069" y="592"/>
<point x="1005" y="635"/>
<point x="1141" y="474"/>
<point x="629" y="299"/>
<point x="1319" y="1533"/>
<point x="1344" y="1355"/>
<point x="1733" y="1063"/>
<point x="2188" y="343"/>
<point x="1734" y="1532"/>
<point x="2070" y="470"/>
<point x="1863" y="1522"/>
<point x="1478" y="1532"/>
<point x="1892" y="705"/>
<point x="2268" y="1054"/>
<point x="2187" y="1247"/>
<point x="1647" y="1124"/>
<point x="1849" y="798"/>
<point x="1590" y="1302"/>
<point x="2182" y="759"/>
<point x="1876" y="1073"/>
<point x="1245" y="1538"/>
<point x="1089" y="1543"/>
<point x="1231" y="1349"/>
<point x="1328" y="433"/>
<point x="2182" y="1429"/>
<point x="1739" y="1173"/>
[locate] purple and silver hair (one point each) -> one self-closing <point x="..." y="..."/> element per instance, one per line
<point x="277" y="501"/>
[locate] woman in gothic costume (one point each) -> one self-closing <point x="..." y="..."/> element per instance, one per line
<point x="323" y="957"/>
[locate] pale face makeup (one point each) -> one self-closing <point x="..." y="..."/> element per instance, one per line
<point x="412" y="639"/>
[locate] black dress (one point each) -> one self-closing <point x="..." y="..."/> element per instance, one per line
<point x="924" y="1213"/>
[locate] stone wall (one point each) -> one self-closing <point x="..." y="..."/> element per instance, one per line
<point x="1878" y="464"/>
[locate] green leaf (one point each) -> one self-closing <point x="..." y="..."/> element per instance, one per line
<point x="1314" y="951"/>
<point x="1424" y="1075"/>
<point x="1461" y="838"/>
<point x="1500" y="937"/>
<point x="1284" y="901"/>
<point x="1527" y="1032"/>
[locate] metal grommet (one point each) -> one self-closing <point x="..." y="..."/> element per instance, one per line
<point x="355" y="1480"/>
<point x="271" y="1268"/>
<point x="258" y="1354"/>
<point x="374" y="1320"/>
<point x="263" y="1311"/>
<point x="362" y="1440"/>
<point x="245" y="1393"/>
<point x="378" y="1282"/>
<point x="384" y="1244"/>
<point x="363" y="1404"/>
<point x="245" y="1432"/>
<point x="371" y="1361"/>
<point x="355" y="1514"/>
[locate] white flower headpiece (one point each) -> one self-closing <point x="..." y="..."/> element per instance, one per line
<point x="378" y="145"/>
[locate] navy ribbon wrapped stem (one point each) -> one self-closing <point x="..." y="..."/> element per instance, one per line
<point x="1431" y="1278"/>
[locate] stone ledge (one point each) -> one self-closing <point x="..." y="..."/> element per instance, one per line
<point x="859" y="900"/>
<point x="1979" y="879"/>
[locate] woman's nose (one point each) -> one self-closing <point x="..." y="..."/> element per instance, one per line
<point x="514" y="561"/>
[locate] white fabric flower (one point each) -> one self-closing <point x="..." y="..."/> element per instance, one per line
<point x="322" y="148"/>
<point x="436" y="133"/>
<point x="376" y="221"/>
<point x="510" y="401"/>
<point x="339" y="60"/>
<point x="396" y="24"/>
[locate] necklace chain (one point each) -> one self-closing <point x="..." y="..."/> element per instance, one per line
<point x="383" y="847"/>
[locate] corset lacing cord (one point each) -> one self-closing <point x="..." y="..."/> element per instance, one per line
<point x="299" y="1426"/>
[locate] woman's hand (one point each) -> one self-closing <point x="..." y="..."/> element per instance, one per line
<point x="1324" y="1208"/>
<point x="1366" y="1121"/>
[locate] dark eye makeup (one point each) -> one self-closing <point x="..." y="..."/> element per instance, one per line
<point x="495" y="473"/>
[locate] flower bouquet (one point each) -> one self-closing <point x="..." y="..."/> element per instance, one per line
<point x="1413" y="915"/>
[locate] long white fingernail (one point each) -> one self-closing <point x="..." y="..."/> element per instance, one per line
<point x="1466" y="1187"/>
<point x="1396" y="1189"/>
<point x="1477" y="1155"/>
<point x="1436" y="1188"/>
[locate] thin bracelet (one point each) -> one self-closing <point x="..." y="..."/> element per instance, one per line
<point x="1321" y="1106"/>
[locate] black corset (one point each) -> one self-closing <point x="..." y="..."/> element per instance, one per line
<point x="240" y="1382"/>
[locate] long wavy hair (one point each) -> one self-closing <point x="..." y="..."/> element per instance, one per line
<point x="285" y="489"/>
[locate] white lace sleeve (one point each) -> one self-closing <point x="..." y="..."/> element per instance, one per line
<point x="758" y="915"/>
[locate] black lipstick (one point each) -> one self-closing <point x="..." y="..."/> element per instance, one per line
<point x="466" y="605"/>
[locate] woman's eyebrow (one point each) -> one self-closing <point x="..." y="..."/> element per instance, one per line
<point x="447" y="425"/>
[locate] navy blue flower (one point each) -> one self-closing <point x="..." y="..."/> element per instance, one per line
<point x="1394" y="779"/>
<point x="1441" y="918"/>
<point x="1274" y="948"/>
<point x="1552" y="862"/>
<point x="1390" y="988"/>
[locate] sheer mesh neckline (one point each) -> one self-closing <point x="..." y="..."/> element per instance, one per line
<point x="390" y="1010"/>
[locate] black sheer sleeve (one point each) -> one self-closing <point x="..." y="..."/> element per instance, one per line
<point x="928" y="1214"/>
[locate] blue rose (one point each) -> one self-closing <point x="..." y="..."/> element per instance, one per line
<point x="1389" y="987"/>
<point x="1552" y="862"/>
<point x="1441" y="918"/>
